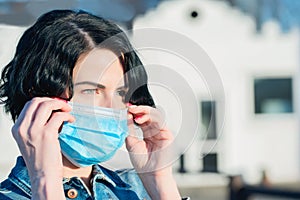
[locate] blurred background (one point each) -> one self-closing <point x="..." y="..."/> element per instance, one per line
<point x="254" y="45"/>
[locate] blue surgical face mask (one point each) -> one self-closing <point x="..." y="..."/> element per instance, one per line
<point x="95" y="136"/>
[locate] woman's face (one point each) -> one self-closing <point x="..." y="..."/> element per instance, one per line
<point x="98" y="79"/>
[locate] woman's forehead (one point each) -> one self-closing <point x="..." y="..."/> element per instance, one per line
<point x="97" y="65"/>
<point x="96" y="58"/>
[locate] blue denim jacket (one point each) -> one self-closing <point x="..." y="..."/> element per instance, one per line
<point x="107" y="184"/>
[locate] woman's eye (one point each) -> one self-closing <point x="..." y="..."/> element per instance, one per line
<point x="89" y="91"/>
<point x="121" y="93"/>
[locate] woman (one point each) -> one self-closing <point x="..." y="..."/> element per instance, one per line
<point x="67" y="65"/>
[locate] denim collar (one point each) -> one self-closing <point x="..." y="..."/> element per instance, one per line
<point x="100" y="173"/>
<point x="19" y="176"/>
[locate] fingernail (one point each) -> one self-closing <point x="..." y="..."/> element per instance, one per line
<point x="138" y="117"/>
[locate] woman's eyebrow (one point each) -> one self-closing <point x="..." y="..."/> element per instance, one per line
<point x="90" y="83"/>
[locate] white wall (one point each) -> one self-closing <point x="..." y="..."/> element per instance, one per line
<point x="248" y="143"/>
<point x="9" y="36"/>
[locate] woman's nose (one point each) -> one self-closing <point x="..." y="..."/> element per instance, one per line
<point x="111" y="100"/>
<point x="107" y="101"/>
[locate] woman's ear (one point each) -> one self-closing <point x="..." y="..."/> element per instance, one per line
<point x="66" y="95"/>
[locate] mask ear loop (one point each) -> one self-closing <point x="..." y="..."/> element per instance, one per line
<point x="122" y="116"/>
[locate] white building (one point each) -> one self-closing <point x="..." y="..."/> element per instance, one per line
<point x="250" y="141"/>
<point x="247" y="142"/>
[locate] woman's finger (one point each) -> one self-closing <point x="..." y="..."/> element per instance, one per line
<point x="130" y="142"/>
<point x="139" y="109"/>
<point x="57" y="119"/>
<point x="46" y="109"/>
<point x="24" y="121"/>
<point x="154" y="119"/>
<point x="142" y="119"/>
<point x="29" y="110"/>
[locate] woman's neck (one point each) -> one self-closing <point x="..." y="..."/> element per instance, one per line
<point x="70" y="170"/>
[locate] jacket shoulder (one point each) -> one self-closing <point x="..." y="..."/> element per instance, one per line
<point x="9" y="191"/>
<point x="131" y="177"/>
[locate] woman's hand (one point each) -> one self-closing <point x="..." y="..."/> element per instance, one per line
<point x="151" y="154"/>
<point x="36" y="133"/>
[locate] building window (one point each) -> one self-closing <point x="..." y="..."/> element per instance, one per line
<point x="208" y="116"/>
<point x="210" y="163"/>
<point x="182" y="164"/>
<point x="273" y="95"/>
